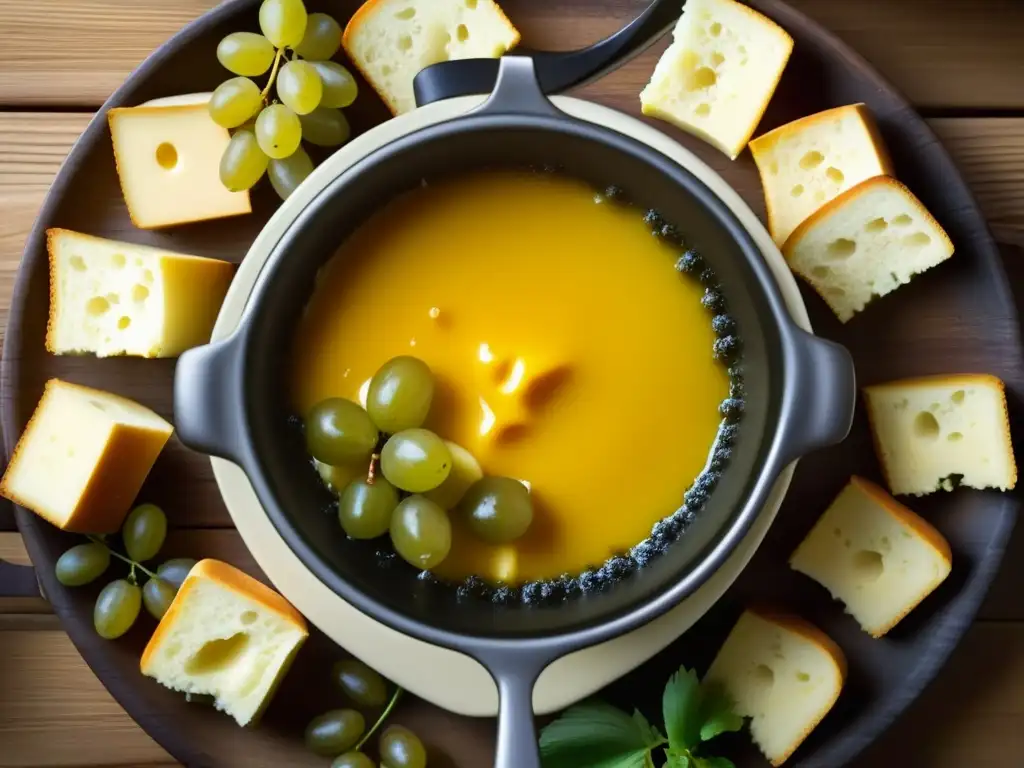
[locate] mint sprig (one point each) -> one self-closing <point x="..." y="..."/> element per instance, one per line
<point x="597" y="735"/>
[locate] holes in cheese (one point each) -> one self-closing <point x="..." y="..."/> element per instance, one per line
<point x="931" y="429"/>
<point x="83" y="457"/>
<point x="783" y="673"/>
<point x="868" y="257"/>
<point x="703" y="83"/>
<point x="874" y="555"/>
<point x="111" y="298"/>
<point x="826" y="154"/>
<point x="225" y="635"/>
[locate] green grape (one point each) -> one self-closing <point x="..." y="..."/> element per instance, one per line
<point x="322" y="38"/>
<point x="363" y="685"/>
<point x="286" y="175"/>
<point x="353" y="760"/>
<point x="234" y="101"/>
<point x="401" y="748"/>
<point x="243" y="162"/>
<point x="299" y="87"/>
<point x="245" y="53"/>
<point x="334" y="732"/>
<point x="283" y="22"/>
<point x="465" y="471"/>
<point x="415" y="460"/>
<point x="421" y="532"/>
<point x="400" y="394"/>
<point x="144" y="532"/>
<point x="82" y="564"/>
<point x="337" y="478"/>
<point x="116" y="609"/>
<point x="157" y="595"/>
<point x="339" y="87"/>
<point x="325" y="127"/>
<point x="278" y="131"/>
<point x="340" y="432"/>
<point x="364" y="510"/>
<point x="174" y="571"/>
<point x="498" y="509"/>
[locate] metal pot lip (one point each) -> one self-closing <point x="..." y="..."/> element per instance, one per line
<point x="553" y="644"/>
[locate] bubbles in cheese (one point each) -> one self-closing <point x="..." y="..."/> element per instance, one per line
<point x="113" y="298"/>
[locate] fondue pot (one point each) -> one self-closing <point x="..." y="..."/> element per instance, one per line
<point x="231" y="396"/>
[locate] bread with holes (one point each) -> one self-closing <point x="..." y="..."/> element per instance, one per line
<point x="808" y="162"/>
<point x="83" y="457"/>
<point x="228" y="636"/>
<point x="718" y="75"/>
<point x="783" y="673"/>
<point x="865" y="244"/>
<point x="113" y="298"/>
<point x="874" y="555"/>
<point x="937" y="432"/>
<point x="390" y="41"/>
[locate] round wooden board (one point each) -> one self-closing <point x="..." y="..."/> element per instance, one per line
<point x="957" y="318"/>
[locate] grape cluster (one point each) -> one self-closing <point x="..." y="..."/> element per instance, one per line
<point x="342" y="733"/>
<point x="267" y="132"/>
<point x="422" y="477"/>
<point x="120" y="602"/>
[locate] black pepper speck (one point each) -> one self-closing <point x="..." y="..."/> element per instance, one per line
<point x="713" y="300"/>
<point x="723" y="325"/>
<point x="731" y="408"/>
<point x="726" y="348"/>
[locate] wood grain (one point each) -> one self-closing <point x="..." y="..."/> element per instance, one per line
<point x="940" y="53"/>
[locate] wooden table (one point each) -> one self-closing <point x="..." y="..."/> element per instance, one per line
<point x="959" y="61"/>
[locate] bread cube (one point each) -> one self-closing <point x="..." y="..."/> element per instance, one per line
<point x="935" y="432"/>
<point x="784" y="674"/>
<point x="228" y="636"/>
<point x="875" y="555"/>
<point x="83" y="457"/>
<point x="390" y="41"/>
<point x="719" y="74"/>
<point x="111" y="298"/>
<point x="808" y="162"/>
<point x="865" y="244"/>
<point x="168" y="163"/>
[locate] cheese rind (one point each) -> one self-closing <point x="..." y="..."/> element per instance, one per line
<point x="226" y="635"/>
<point x="390" y="41"/>
<point x="930" y="431"/>
<point x="783" y="673"/>
<point x="865" y="244"/>
<point x="874" y="555"/>
<point x="83" y="457"/>
<point x="808" y="162"/>
<point x="719" y="74"/>
<point x="112" y="298"/>
<point x="168" y="162"/>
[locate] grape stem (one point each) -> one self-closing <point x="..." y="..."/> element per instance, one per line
<point x="119" y="556"/>
<point x="383" y="716"/>
<point x="273" y="74"/>
<point x="371" y="472"/>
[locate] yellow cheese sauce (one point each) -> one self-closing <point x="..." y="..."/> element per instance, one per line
<point x="568" y="351"/>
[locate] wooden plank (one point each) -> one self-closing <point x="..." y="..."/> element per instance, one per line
<point x="970" y="716"/>
<point x="77" y="52"/>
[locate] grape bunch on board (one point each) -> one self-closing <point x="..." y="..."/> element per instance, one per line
<point x="311" y="90"/>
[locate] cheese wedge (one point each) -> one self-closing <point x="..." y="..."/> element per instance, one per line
<point x="83" y="457"/>
<point x="390" y="41"/>
<point x="810" y="161"/>
<point x="935" y="432"/>
<point x="875" y="555"/>
<point x="228" y="636"/>
<point x="112" y="298"/>
<point x="784" y="674"/>
<point x="168" y="162"/>
<point x="865" y="244"/>
<point x="719" y="74"/>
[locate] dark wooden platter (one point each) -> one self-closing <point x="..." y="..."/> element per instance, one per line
<point x="957" y="318"/>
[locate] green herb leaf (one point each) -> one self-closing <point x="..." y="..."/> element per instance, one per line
<point x="713" y="762"/>
<point x="680" y="706"/>
<point x="716" y="712"/>
<point x="597" y="735"/>
<point x="652" y="736"/>
<point x="677" y="760"/>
